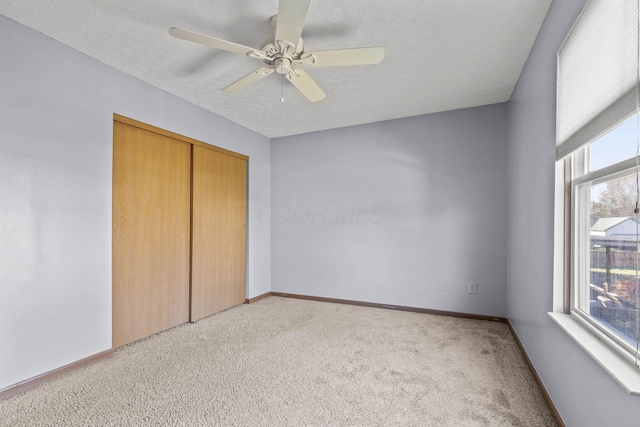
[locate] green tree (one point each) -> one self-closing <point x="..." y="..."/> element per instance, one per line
<point x="619" y="199"/>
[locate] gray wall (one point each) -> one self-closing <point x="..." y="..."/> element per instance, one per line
<point x="381" y="212"/>
<point x="584" y="394"/>
<point x="384" y="212"/>
<point x="56" y="112"/>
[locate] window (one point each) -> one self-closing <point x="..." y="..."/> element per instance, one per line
<point x="597" y="258"/>
<point x="605" y="229"/>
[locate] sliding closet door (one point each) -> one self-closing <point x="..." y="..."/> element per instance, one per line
<point x="219" y="231"/>
<point x="151" y="227"/>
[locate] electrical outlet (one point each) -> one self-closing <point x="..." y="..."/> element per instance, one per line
<point x="473" y="288"/>
<point x="443" y="287"/>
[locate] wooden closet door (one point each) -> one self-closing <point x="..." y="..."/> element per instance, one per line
<point x="151" y="233"/>
<point x="219" y="232"/>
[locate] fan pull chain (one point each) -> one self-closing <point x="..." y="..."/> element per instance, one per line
<point x="281" y="87"/>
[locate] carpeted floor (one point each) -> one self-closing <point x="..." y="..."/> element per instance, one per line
<point x="286" y="362"/>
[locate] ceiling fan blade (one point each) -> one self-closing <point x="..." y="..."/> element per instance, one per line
<point x="247" y="80"/>
<point x="339" y="57"/>
<point x="305" y="84"/>
<point x="210" y="41"/>
<point x="291" y="16"/>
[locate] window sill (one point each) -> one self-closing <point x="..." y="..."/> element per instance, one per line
<point x="616" y="364"/>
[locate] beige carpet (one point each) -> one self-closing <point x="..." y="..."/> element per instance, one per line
<point x="286" y="362"/>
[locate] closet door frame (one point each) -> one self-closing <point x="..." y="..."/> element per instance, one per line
<point x="193" y="142"/>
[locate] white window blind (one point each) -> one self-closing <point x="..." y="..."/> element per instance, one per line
<point x="597" y="73"/>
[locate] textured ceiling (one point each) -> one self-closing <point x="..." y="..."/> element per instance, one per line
<point x="440" y="54"/>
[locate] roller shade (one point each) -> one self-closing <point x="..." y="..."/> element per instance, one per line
<point x="597" y="73"/>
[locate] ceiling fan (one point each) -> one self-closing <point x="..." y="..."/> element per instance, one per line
<point x="282" y="50"/>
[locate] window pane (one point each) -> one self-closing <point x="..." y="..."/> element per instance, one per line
<point x="609" y="294"/>
<point x="615" y="146"/>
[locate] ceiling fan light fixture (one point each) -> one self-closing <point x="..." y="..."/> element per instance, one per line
<point x="283" y="65"/>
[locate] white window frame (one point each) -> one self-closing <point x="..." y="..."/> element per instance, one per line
<point x="580" y="216"/>
<point x="613" y="354"/>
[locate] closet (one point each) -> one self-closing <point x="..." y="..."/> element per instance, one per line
<point x="179" y="230"/>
